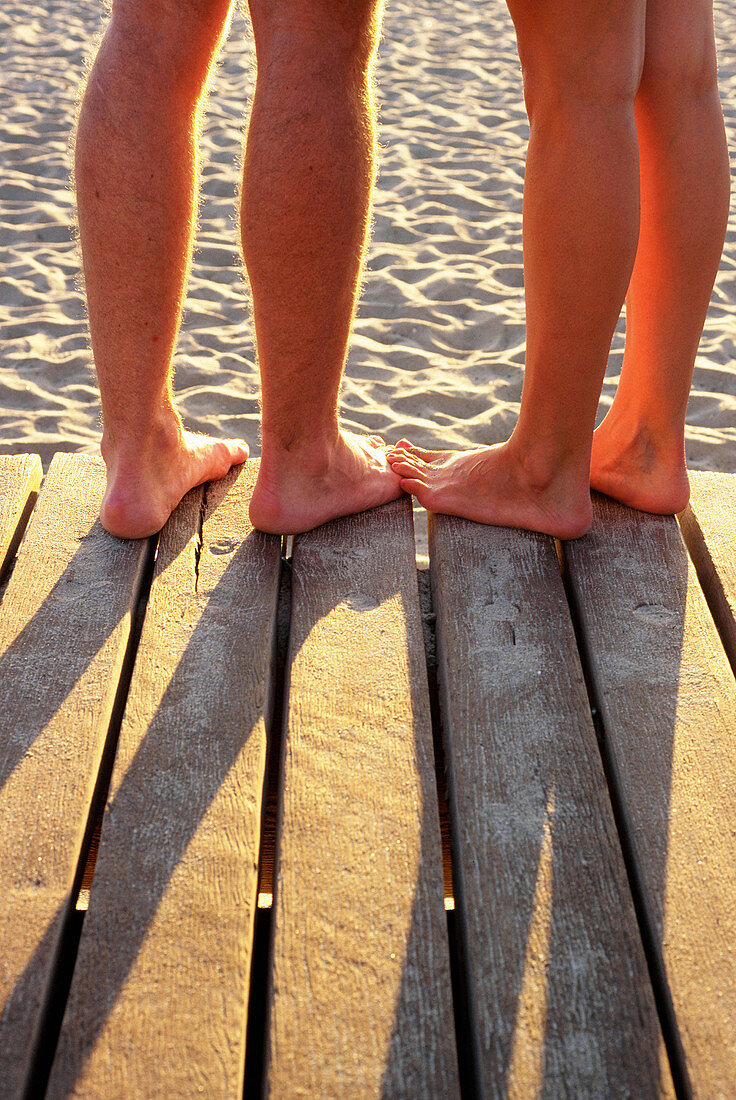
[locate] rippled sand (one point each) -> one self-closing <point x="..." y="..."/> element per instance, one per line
<point x="438" y="349"/>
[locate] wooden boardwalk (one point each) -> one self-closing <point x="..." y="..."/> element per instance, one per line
<point x="357" y="839"/>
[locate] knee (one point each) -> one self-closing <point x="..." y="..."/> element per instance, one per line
<point x="167" y="44"/>
<point x="594" y="65"/>
<point x="307" y="34"/>
<point x="557" y="89"/>
<point x="681" y="73"/>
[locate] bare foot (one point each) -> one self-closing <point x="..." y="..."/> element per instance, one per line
<point x="630" y="464"/>
<point x="491" y="485"/>
<point x="144" y="488"/>
<point x="297" y="490"/>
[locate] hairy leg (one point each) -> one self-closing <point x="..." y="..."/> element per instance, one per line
<point x="307" y="182"/>
<point x="639" y="449"/>
<point x="582" y="64"/>
<point x="136" y="195"/>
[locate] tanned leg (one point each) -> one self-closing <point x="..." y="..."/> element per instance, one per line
<point x="307" y="183"/>
<point x="582" y="64"/>
<point x="639" y="449"/>
<point x="136" y="193"/>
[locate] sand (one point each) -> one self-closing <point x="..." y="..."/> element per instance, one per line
<point x="438" y="348"/>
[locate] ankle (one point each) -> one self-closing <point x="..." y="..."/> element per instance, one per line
<point x="551" y="469"/>
<point x="647" y="438"/>
<point x="131" y="447"/>
<point x="311" y="450"/>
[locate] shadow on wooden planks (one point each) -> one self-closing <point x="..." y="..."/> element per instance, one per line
<point x="667" y="701"/>
<point x="132" y="889"/>
<point x="359" y="905"/>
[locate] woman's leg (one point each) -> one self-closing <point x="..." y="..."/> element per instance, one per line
<point x="582" y="64"/>
<point x="639" y="449"/>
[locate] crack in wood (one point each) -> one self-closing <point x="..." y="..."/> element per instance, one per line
<point x="199" y="539"/>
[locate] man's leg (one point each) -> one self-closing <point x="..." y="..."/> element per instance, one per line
<point x="135" y="170"/>
<point x="307" y="182"/>
<point x="582" y="65"/>
<point x="639" y="449"/>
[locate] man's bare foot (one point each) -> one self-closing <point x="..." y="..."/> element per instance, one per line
<point x="299" y="489"/>
<point x="144" y="487"/>
<point x="630" y="464"/>
<point x="491" y="485"/>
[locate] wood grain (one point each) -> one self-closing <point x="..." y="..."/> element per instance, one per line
<point x="159" y="999"/>
<point x="20" y="477"/>
<point x="709" y="528"/>
<point x="64" y="626"/>
<point x="560" y="998"/>
<point x="668" y="704"/>
<point x="360" y="1001"/>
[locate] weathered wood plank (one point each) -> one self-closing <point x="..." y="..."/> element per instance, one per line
<point x="159" y="998"/>
<point x="668" y="703"/>
<point x="20" y="477"/>
<point x="64" y="626"/>
<point x="360" y="1001"/>
<point x="560" y="999"/>
<point x="709" y="529"/>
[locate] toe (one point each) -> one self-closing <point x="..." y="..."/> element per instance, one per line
<point x="220" y="457"/>
<point x="408" y="451"/>
<point x="405" y="457"/>
<point x="424" y="455"/>
<point x="421" y="491"/>
<point x="239" y="450"/>
<point x="416" y="487"/>
<point x="232" y="452"/>
<point x="406" y="468"/>
<point x="405" y="446"/>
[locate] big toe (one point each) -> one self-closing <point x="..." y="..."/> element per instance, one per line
<point x="239" y="450"/>
<point x="227" y="453"/>
<point x="418" y="489"/>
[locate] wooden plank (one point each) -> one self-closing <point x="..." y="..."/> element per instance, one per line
<point x="560" y="999"/>
<point x="708" y="525"/>
<point x="159" y="999"/>
<point x="20" y="478"/>
<point x="668" y="704"/>
<point x="360" y="1001"/>
<point x="64" y="625"/>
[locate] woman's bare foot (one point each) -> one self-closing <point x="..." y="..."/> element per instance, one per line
<point x="631" y="463"/>
<point x="301" y="488"/>
<point x="145" y="485"/>
<point x="492" y="485"/>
